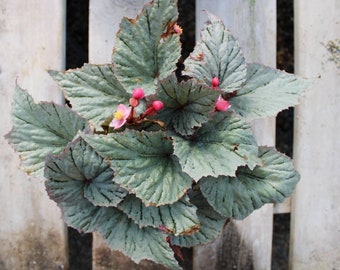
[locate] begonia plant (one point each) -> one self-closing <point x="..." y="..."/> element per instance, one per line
<point x="154" y="161"/>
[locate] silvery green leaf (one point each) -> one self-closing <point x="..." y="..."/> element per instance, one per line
<point x="212" y="224"/>
<point x="80" y="169"/>
<point x="266" y="92"/>
<point x="119" y="232"/>
<point x="41" y="129"/>
<point x="178" y="218"/>
<point x="187" y="105"/>
<point x="236" y="197"/>
<point x="123" y="234"/>
<point x="219" y="147"/>
<point x="147" y="48"/>
<point x="93" y="90"/>
<point x="217" y="54"/>
<point x="79" y="180"/>
<point x="144" y="164"/>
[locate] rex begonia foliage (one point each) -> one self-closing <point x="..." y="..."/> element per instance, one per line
<point x="152" y="161"/>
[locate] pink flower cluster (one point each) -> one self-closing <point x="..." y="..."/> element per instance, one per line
<point x="126" y="114"/>
<point x="221" y="105"/>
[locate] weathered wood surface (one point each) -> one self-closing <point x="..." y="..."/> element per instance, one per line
<point x="32" y="234"/>
<point x="245" y="244"/>
<point x="105" y="16"/>
<point x="315" y="229"/>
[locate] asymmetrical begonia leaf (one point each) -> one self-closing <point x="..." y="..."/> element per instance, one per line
<point x="79" y="167"/>
<point x="212" y="224"/>
<point x="178" y="218"/>
<point x="218" y="147"/>
<point x="143" y="164"/>
<point x="123" y="234"/>
<point x="187" y="105"/>
<point x="217" y="54"/>
<point x="236" y="197"/>
<point x="267" y="91"/>
<point x="147" y="48"/>
<point x="120" y="232"/>
<point x="93" y="90"/>
<point x="40" y="129"/>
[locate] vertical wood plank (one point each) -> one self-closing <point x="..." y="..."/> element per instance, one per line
<point x="315" y="234"/>
<point x="32" y="234"/>
<point x="245" y="244"/>
<point x="105" y="16"/>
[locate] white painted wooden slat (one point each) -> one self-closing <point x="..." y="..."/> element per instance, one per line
<point x="32" y="38"/>
<point x="105" y="17"/>
<point x="284" y="207"/>
<point x="315" y="228"/>
<point x="245" y="244"/>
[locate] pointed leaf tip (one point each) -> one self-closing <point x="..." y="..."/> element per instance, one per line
<point x="217" y="54"/>
<point x="41" y="129"/>
<point x="267" y="91"/>
<point x="93" y="90"/>
<point x="147" y="48"/>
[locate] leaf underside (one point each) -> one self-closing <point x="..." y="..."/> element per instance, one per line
<point x="236" y="197"/>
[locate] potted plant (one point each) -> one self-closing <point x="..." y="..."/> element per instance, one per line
<point x="151" y="160"/>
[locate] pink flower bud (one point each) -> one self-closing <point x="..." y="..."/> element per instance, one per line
<point x="138" y="93"/>
<point x="134" y="102"/>
<point x="215" y="82"/>
<point x="153" y="108"/>
<point x="157" y="105"/>
<point x="222" y="104"/>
